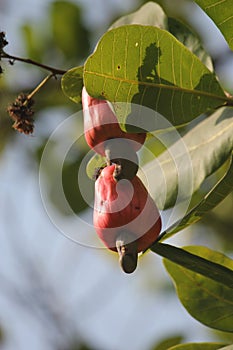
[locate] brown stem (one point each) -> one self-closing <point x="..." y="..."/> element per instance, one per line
<point x="120" y="152"/>
<point x="54" y="71"/>
<point x="229" y="103"/>
<point x="42" y="83"/>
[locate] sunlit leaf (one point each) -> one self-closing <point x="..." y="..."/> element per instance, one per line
<point x="211" y="200"/>
<point x="72" y="83"/>
<point x="208" y="301"/>
<point x="221" y="13"/>
<point x="151" y="14"/>
<point x="96" y="162"/>
<point x="191" y="159"/>
<point x="149" y="67"/>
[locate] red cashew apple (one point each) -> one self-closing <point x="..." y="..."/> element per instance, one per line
<point x="124" y="212"/>
<point x="101" y="124"/>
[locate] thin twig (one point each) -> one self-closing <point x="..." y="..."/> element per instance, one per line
<point x="12" y="58"/>
<point x="43" y="82"/>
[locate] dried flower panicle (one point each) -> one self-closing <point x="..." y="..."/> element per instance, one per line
<point x="3" y="41"/>
<point x="21" y="112"/>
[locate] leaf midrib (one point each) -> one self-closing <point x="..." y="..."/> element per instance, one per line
<point x="163" y="86"/>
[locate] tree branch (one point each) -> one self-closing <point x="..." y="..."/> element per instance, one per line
<point x="12" y="58"/>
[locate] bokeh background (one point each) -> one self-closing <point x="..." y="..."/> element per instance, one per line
<point x="56" y="294"/>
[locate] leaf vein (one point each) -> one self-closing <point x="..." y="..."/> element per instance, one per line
<point x="222" y="98"/>
<point x="214" y="4"/>
<point x="225" y="20"/>
<point x="191" y="276"/>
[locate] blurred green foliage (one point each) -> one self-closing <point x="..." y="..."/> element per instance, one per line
<point x="61" y="40"/>
<point x="165" y="344"/>
<point x="69" y="33"/>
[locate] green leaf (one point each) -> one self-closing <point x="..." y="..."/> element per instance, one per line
<point x="211" y="200"/>
<point x="151" y="14"/>
<point x="188" y="38"/>
<point x="168" y="342"/>
<point x="213" y="270"/>
<point x="149" y="67"/>
<point x="61" y="176"/>
<point x="34" y="44"/>
<point x="72" y="83"/>
<point x="69" y="33"/>
<point x="71" y="189"/>
<point x="197" y="346"/>
<point x="209" y="300"/>
<point x="191" y="159"/>
<point x="221" y="12"/>
<point x="96" y="161"/>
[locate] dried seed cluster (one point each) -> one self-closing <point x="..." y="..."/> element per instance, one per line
<point x="21" y="112"/>
<point x="3" y="43"/>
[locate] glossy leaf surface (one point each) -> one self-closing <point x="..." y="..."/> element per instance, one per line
<point x="207" y="300"/>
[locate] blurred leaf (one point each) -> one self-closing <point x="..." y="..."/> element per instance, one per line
<point x="216" y="221"/>
<point x="62" y="177"/>
<point x="228" y="347"/>
<point x="69" y="33"/>
<point x="152" y="148"/>
<point x="6" y="131"/>
<point x="191" y="159"/>
<point x="209" y="300"/>
<point x="33" y="43"/>
<point x="52" y="96"/>
<point x="2" y="335"/>
<point x="84" y="347"/>
<point x="72" y="83"/>
<point x="76" y="345"/>
<point x="149" y="67"/>
<point x="215" y="271"/>
<point x="151" y="14"/>
<point x="211" y="200"/>
<point x="167" y="343"/>
<point x="71" y="188"/>
<point x="221" y="12"/>
<point x="197" y="346"/>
